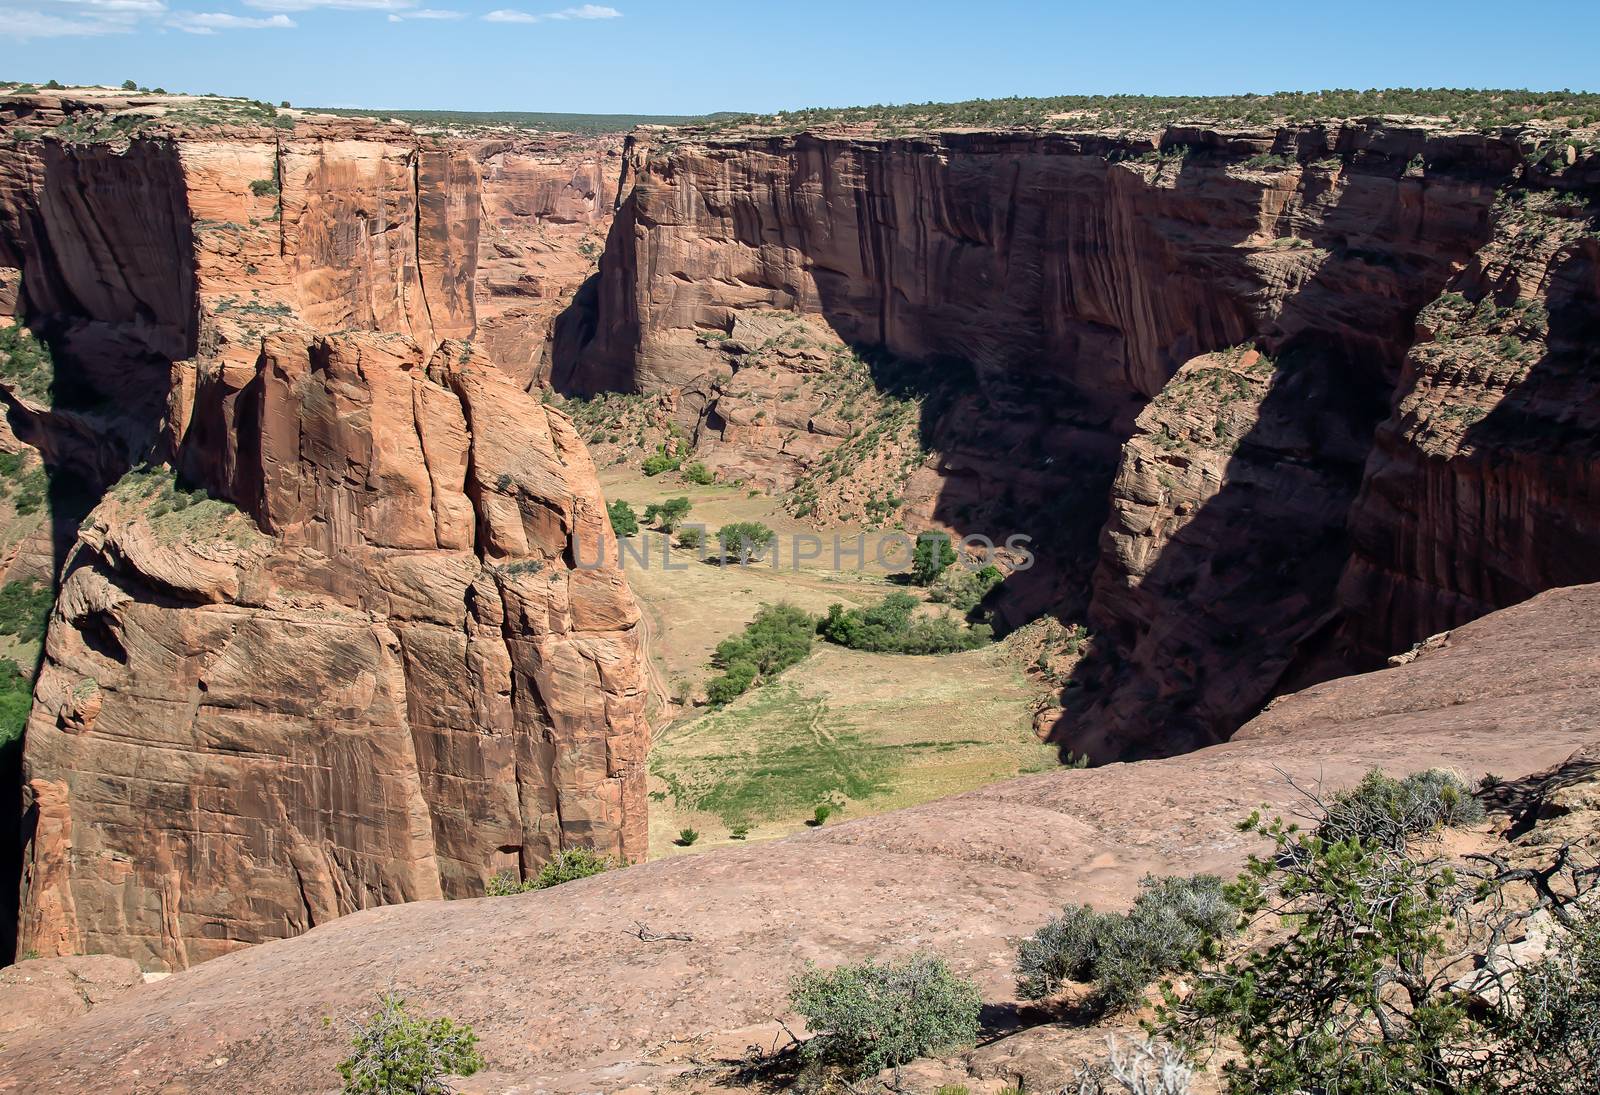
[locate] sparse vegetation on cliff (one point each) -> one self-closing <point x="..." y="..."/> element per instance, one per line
<point x="26" y="364"/>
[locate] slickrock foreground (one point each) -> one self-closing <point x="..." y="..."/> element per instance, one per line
<point x="568" y="997"/>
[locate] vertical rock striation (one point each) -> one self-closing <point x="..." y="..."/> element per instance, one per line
<point x="1201" y="349"/>
<point x="333" y="635"/>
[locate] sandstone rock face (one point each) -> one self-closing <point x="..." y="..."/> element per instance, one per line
<point x="337" y="639"/>
<point x="1200" y="380"/>
<point x="546" y="206"/>
<point x="1511" y="693"/>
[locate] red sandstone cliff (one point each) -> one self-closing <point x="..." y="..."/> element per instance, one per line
<point x="1200" y="350"/>
<point x="326" y="645"/>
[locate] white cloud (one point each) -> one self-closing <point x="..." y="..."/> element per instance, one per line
<point x="426" y="13"/>
<point x="209" y="22"/>
<point x="25" y="23"/>
<point x="586" y="11"/>
<point x="342" y="5"/>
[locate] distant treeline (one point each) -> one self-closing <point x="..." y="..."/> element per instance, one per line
<point x="522" y="119"/>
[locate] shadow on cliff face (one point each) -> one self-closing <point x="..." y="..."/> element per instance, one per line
<point x="1523" y="481"/>
<point x="1241" y="600"/>
<point x="108" y="291"/>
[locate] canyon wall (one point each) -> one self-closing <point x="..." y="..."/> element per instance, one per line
<point x="1200" y="380"/>
<point x="321" y="640"/>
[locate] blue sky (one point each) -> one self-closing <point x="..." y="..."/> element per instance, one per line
<point x="694" y="56"/>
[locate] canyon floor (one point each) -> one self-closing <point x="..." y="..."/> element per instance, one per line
<point x="864" y="732"/>
<point x="575" y="989"/>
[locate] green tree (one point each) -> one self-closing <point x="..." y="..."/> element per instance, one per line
<point x="667" y="515"/>
<point x="698" y="474"/>
<point x="932" y="556"/>
<point x="871" y="1016"/>
<point x="623" y="520"/>
<point x="129" y="85"/>
<point x="744" y="540"/>
<point x="778" y="637"/>
<point x="395" y="1053"/>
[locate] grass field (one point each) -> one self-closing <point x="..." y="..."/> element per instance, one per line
<point x="865" y="732"/>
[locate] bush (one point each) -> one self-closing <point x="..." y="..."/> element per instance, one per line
<point x="25" y="610"/>
<point x="734" y="682"/>
<point x="779" y="636"/>
<point x="1363" y="994"/>
<point x="892" y="626"/>
<point x="739" y="832"/>
<point x="872" y="1016"/>
<point x="698" y="474"/>
<point x="1553" y="1037"/>
<point x="660" y="461"/>
<point x="263" y="188"/>
<point x="667" y="515"/>
<point x="129" y="85"/>
<point x="931" y="557"/>
<point x="395" y="1053"/>
<point x="691" y="538"/>
<point x="821" y="814"/>
<point x="1392" y="811"/>
<point x="687" y="837"/>
<point x="1173" y="923"/>
<point x="623" y="520"/>
<point x="964" y="589"/>
<point x="567" y="866"/>
<point x="1147" y="1067"/>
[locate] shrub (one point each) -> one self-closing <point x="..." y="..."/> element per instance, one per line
<point x="744" y="540"/>
<point x="1392" y="811"/>
<point x="871" y="1016"/>
<point x="1147" y="1067"/>
<point x="821" y="814"/>
<point x="699" y="474"/>
<point x="691" y="538"/>
<point x="1553" y="1035"/>
<point x="779" y="636"/>
<point x="963" y="589"/>
<point x="130" y="85"/>
<point x="660" y="461"/>
<point x="687" y="837"/>
<point x="623" y="520"/>
<point x="931" y="557"/>
<point x="262" y="188"/>
<point x="734" y="682"/>
<point x="567" y="866"/>
<point x="25" y="610"/>
<point x="667" y="515"/>
<point x="395" y="1053"/>
<point x="892" y="626"/>
<point x="1173" y="923"/>
<point x="739" y="832"/>
<point x="1362" y="994"/>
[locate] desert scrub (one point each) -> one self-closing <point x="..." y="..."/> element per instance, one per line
<point x="25" y="609"/>
<point x="1174" y="923"/>
<point x="396" y="1053"/>
<point x="177" y="513"/>
<point x="26" y="364"/>
<point x="567" y="866"/>
<point x="624" y="522"/>
<point x="1393" y="812"/>
<point x="872" y="1015"/>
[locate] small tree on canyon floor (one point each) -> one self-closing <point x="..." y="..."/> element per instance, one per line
<point x="397" y="1053"/>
